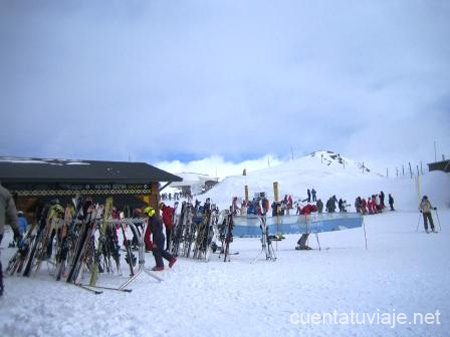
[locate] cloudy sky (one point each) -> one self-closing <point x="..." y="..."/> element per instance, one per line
<point x="184" y="80"/>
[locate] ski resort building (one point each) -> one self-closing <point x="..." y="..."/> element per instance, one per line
<point x="35" y="181"/>
<point x="194" y="183"/>
<point x="443" y="165"/>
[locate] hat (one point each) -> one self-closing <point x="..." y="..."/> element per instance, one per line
<point x="150" y="211"/>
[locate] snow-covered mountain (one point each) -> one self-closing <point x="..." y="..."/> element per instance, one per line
<point x="330" y="174"/>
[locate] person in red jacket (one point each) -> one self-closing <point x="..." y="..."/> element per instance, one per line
<point x="301" y="243"/>
<point x="167" y="215"/>
<point x="363" y="206"/>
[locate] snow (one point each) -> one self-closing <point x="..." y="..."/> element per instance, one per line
<point x="329" y="178"/>
<point x="402" y="270"/>
<point x="54" y="162"/>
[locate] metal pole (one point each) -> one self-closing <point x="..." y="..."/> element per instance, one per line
<point x="435" y="154"/>
<point x="318" y="242"/>
<point x="439" y="221"/>
<point x="365" y="233"/>
<point x="418" y="222"/>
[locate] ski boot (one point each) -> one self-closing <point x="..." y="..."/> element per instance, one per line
<point x="172" y="262"/>
<point x="303" y="248"/>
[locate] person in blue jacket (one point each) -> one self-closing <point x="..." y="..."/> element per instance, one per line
<point x="23" y="223"/>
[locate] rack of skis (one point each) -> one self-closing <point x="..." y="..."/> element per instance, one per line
<point x="199" y="231"/>
<point x="83" y="237"/>
<point x="82" y="240"/>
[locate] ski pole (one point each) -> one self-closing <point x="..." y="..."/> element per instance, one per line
<point x="439" y="221"/>
<point x="418" y="222"/>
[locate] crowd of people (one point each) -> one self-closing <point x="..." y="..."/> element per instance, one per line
<point x="175" y="196"/>
<point x="259" y="205"/>
<point x="374" y="204"/>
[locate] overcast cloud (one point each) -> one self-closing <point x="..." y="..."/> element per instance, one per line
<point x="184" y="80"/>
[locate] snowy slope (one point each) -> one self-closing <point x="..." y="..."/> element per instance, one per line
<point x="402" y="270"/>
<point x="331" y="174"/>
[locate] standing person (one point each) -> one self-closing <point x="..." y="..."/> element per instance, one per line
<point x="391" y="202"/>
<point x="167" y="215"/>
<point x="369" y="205"/>
<point x="377" y="203"/>
<point x="319" y="205"/>
<point x="234" y="206"/>
<point x="244" y="207"/>
<point x="274" y="208"/>
<point x="425" y="209"/>
<point x="157" y="245"/>
<point x="7" y="209"/>
<point x="331" y="204"/>
<point x="309" y="194"/>
<point x="382" y="200"/>
<point x="364" y="206"/>
<point x="341" y="205"/>
<point x="313" y="193"/>
<point x="302" y="242"/>
<point x="23" y="223"/>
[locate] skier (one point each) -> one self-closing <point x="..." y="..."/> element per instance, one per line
<point x="157" y="245"/>
<point x="331" y="204"/>
<point x="244" y="206"/>
<point x="425" y="209"/>
<point x="391" y="202"/>
<point x="7" y="208"/>
<point x="319" y="205"/>
<point x="382" y="200"/>
<point x="358" y="203"/>
<point x="371" y="205"/>
<point x="309" y="194"/>
<point x="378" y="203"/>
<point x="274" y="208"/>
<point x="23" y="223"/>
<point x="364" y="206"/>
<point x="167" y="215"/>
<point x="301" y="243"/>
<point x="341" y="205"/>
<point x="313" y="193"/>
<point x="234" y="206"/>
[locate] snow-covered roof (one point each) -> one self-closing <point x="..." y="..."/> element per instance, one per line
<point x="191" y="178"/>
<point x="19" y="169"/>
